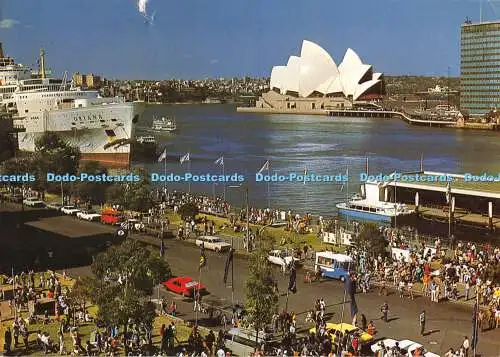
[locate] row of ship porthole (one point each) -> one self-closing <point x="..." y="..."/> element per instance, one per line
<point x="93" y="121"/>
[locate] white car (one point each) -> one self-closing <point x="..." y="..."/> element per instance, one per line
<point x="71" y="210"/>
<point x="53" y="205"/>
<point x="33" y="202"/>
<point x="88" y="215"/>
<point x="213" y="243"/>
<point x="281" y="258"/>
<point x="407" y="347"/>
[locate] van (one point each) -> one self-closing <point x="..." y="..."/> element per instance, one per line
<point x="241" y="341"/>
<point x="111" y="216"/>
<point x="333" y="266"/>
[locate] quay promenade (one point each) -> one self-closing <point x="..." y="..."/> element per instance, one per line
<point x="382" y="114"/>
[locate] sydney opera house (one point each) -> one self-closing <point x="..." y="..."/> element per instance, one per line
<point x="313" y="81"/>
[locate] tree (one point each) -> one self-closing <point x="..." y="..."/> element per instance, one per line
<point x="188" y="210"/>
<point x="7" y="146"/>
<point x="135" y="196"/>
<point x="371" y="239"/>
<point x="81" y="292"/>
<point x="53" y="155"/>
<point x="124" y="279"/>
<point x="261" y="295"/>
<point x="90" y="191"/>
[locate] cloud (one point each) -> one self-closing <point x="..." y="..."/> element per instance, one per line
<point x="8" y="23"/>
<point x="214" y="61"/>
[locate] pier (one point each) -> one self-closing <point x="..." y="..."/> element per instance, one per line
<point x="474" y="204"/>
<point x="382" y="114"/>
<point x="391" y="114"/>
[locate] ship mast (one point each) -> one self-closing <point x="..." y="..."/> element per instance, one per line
<point x="42" y="63"/>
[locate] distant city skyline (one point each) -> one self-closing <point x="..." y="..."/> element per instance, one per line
<point x="164" y="39"/>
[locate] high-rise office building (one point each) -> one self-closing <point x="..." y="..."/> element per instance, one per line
<point x="480" y="67"/>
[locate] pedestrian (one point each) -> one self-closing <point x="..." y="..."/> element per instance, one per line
<point x="385" y="311"/>
<point x="363" y="322"/>
<point x="410" y="290"/>
<point x="401" y="288"/>
<point x="466" y="346"/>
<point x="7" y="340"/>
<point x="422" y="322"/>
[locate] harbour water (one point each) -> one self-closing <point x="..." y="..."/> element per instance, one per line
<point x="322" y="145"/>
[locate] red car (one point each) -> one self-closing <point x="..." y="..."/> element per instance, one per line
<point x="183" y="285"/>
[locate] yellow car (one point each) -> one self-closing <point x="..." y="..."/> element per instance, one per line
<point x="333" y="329"/>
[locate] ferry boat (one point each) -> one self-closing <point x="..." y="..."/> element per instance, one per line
<point x="101" y="128"/>
<point x="144" y="148"/>
<point x="164" y="124"/>
<point x="371" y="208"/>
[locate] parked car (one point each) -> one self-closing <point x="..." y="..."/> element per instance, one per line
<point x="70" y="210"/>
<point x="407" y="347"/>
<point x="111" y="216"/>
<point x="241" y="341"/>
<point x="339" y="329"/>
<point x="33" y="202"/>
<point x="88" y="215"/>
<point x="281" y="258"/>
<point x="183" y="285"/>
<point x="213" y="243"/>
<point x="55" y="206"/>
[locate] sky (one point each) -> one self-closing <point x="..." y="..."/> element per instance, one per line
<point x="224" y="38"/>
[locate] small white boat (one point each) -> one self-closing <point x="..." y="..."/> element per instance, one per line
<point x="164" y="124"/>
<point x="146" y="140"/>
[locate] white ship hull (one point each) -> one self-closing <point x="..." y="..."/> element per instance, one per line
<point x="101" y="132"/>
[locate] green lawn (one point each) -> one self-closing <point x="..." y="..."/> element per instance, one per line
<point x="277" y="234"/>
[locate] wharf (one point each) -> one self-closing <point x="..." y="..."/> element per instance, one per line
<point x="460" y="217"/>
<point x="383" y="114"/>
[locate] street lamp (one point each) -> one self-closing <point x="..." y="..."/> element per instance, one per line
<point x="247" y="234"/>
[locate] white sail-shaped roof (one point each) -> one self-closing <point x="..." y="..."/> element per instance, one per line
<point x="363" y="87"/>
<point x="316" y="66"/>
<point x="316" y="71"/>
<point x="278" y="76"/>
<point x="293" y="72"/>
<point x="351" y="71"/>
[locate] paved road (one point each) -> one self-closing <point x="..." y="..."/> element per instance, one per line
<point x="447" y="323"/>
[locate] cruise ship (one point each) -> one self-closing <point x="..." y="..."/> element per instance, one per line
<point x="102" y="128"/>
<point x="370" y="208"/>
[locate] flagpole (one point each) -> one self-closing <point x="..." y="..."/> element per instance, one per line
<point x="347" y="191"/>
<point x="189" y="170"/>
<point x="165" y="171"/>
<point x="345" y="293"/>
<point x="224" y="183"/>
<point x="268" y="185"/>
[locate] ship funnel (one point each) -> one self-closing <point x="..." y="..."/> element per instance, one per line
<point x="1" y="50"/>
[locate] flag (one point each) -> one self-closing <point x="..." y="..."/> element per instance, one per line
<point x="220" y="161"/>
<point x="162" y="248"/>
<point x="163" y="155"/>
<point x="305" y="174"/>
<point x="264" y="167"/>
<point x="292" y="283"/>
<point x="342" y="188"/>
<point x="184" y="158"/>
<point x="474" y="326"/>
<point x="203" y="257"/>
<point x="228" y="263"/>
<point x="448" y="193"/>
<point x="354" y="308"/>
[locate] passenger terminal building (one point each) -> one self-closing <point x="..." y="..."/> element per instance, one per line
<point x="480" y="67"/>
<point x="313" y="81"/>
